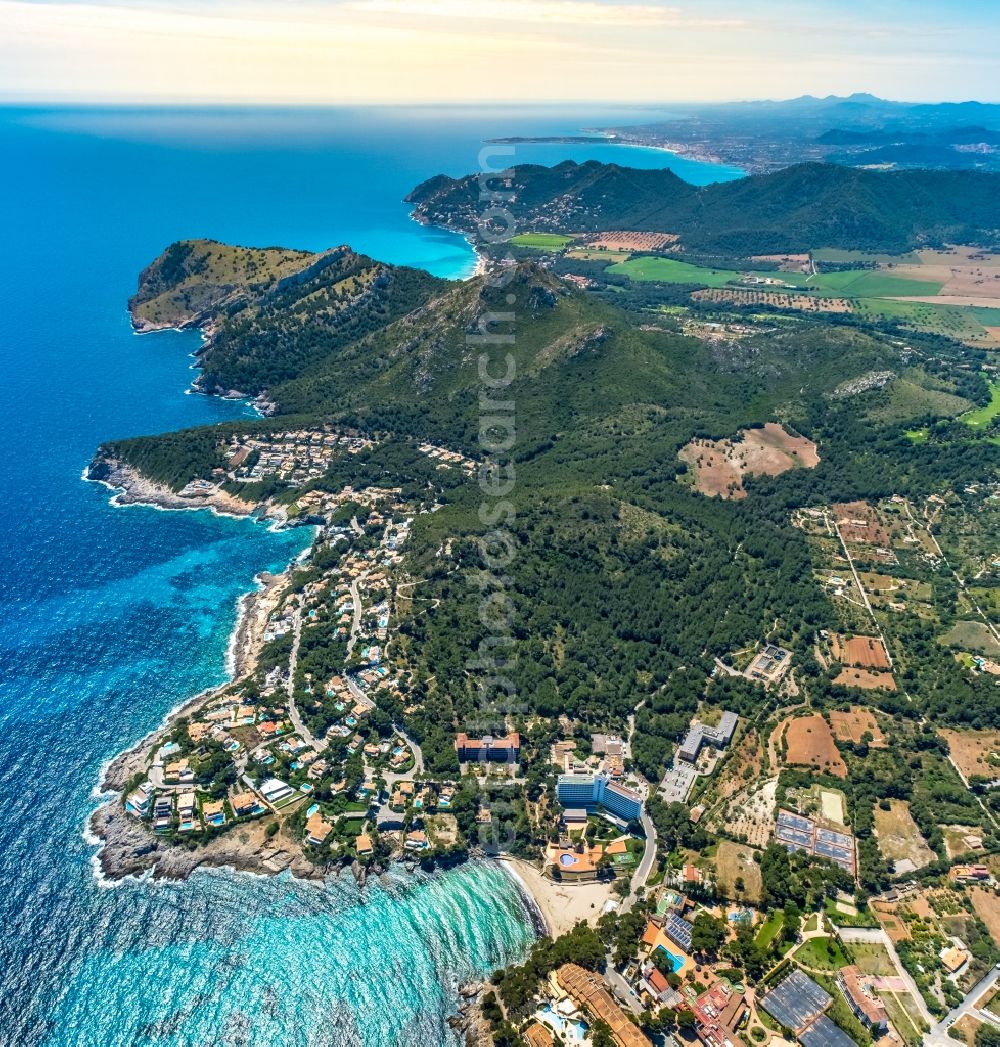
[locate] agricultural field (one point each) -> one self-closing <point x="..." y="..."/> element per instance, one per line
<point x="673" y="271"/>
<point x="977" y="753"/>
<point x="972" y="636"/>
<point x="987" y="906"/>
<point x="808" y="742"/>
<point x="734" y="861"/>
<point x="954" y="293"/>
<point x="541" y="241"/>
<point x="591" y="254"/>
<point x="969" y="324"/>
<point x="865" y="679"/>
<point x="836" y="254"/>
<point x="778" y="299"/>
<point x="787" y="263"/>
<point x="854" y="724"/>
<point x="718" y="466"/>
<point x="749" y="813"/>
<point x="899" y="839"/>
<point x="629" y="241"/>
<point x="866" y="651"/>
<point x="871" y="283"/>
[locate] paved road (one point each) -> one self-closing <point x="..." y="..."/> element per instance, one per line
<point x="641" y="875"/>
<point x="938" y="1036"/>
<point x="293" y="712"/>
<point x="621" y="989"/>
<point x="356" y="623"/>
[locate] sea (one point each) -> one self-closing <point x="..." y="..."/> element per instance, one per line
<point x="110" y="617"/>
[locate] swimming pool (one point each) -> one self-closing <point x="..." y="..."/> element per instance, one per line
<point x="676" y="962"/>
<point x="566" y="860"/>
<point x="572" y="1032"/>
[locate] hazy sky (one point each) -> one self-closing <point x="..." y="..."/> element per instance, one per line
<point x="473" y="50"/>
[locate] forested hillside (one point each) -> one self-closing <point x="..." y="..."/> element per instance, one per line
<point x="795" y="209"/>
<point x="626" y="581"/>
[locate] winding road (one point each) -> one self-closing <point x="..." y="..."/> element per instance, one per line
<point x="293" y="713"/>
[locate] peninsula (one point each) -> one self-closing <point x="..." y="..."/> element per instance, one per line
<point x="732" y="683"/>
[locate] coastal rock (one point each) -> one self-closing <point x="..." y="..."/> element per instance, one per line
<point x="132" y="488"/>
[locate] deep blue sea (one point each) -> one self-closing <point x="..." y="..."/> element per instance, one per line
<point x="110" y="617"/>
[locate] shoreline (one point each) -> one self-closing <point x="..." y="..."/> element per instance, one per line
<point x="126" y="848"/>
<point x="130" y="487"/>
<point x="559" y="906"/>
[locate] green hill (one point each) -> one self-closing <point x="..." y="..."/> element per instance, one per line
<point x="273" y="313"/>
<point x="624" y="579"/>
<point x="794" y="209"/>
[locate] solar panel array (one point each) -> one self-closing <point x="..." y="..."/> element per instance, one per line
<point x="795" y="1001"/>
<point x="678" y="930"/>
<point x="802" y="834"/>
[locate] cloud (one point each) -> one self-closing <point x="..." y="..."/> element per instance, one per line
<point x="551" y="12"/>
<point x="351" y="51"/>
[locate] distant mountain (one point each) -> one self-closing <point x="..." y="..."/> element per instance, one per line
<point x="766" y="135"/>
<point x="795" y="209"/>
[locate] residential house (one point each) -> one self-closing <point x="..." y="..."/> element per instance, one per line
<point x="274" y="790"/>
<point x="187" y="812"/>
<point x="244" y="804"/>
<point x="317" y="828"/>
<point x="214" y="812"/>
<point x="199" y="731"/>
<point x="178" y="771"/>
<point x="163" y="812"/>
<point x="140" y="801"/>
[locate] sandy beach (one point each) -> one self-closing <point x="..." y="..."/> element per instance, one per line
<point x="562" y="906"/>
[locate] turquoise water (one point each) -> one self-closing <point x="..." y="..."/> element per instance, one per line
<point x="563" y="1026"/>
<point x="676" y="962"/>
<point x="110" y="617"/>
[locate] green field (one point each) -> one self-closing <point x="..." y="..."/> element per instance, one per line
<point x="541" y="241"/>
<point x="769" y="929"/>
<point x="854" y="283"/>
<point x="672" y="271"/>
<point x="823" y="954"/>
<point x="961" y="322"/>
<point x="972" y="636"/>
<point x="982" y="417"/>
<point x="835" y="254"/>
<point x="871" y="283"/>
<point x="914" y="394"/>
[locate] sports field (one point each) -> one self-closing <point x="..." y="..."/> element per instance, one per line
<point x="541" y="241"/>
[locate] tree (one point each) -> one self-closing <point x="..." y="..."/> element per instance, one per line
<point x="600" y="1034"/>
<point x="708" y="933"/>
<point x="987" y="1035"/>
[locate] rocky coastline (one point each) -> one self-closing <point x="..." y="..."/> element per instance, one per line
<point x="133" y="488"/>
<point x="128" y="848"/>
